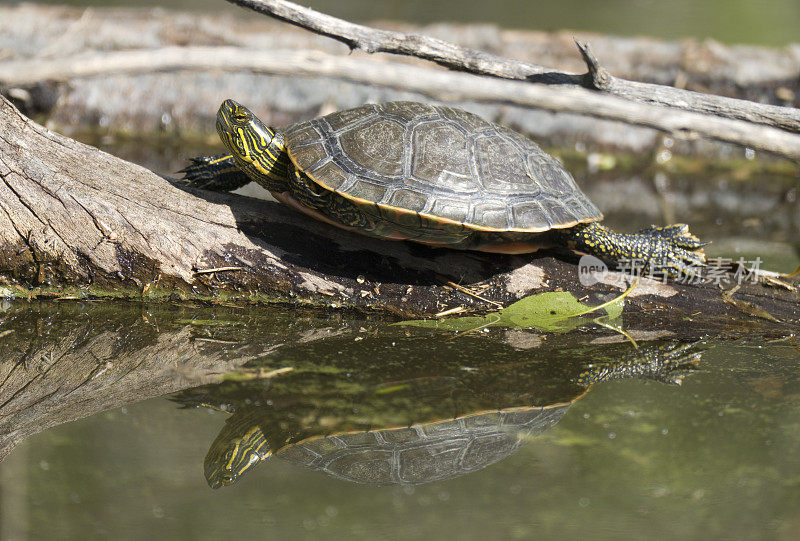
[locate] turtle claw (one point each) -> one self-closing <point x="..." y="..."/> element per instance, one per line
<point x="668" y="363"/>
<point x="200" y="165"/>
<point x="671" y="363"/>
<point x="677" y="252"/>
<point x="678" y="233"/>
<point x="218" y="173"/>
<point x="677" y="361"/>
<point x="680" y="262"/>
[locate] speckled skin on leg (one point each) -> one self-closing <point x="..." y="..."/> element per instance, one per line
<point x="668" y="364"/>
<point x="672" y="250"/>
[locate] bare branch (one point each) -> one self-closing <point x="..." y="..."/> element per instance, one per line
<point x="436" y="83"/>
<point x="481" y="63"/>
<point x="371" y="40"/>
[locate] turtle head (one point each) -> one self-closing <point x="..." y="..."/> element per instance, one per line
<point x="242" y="132"/>
<point x="239" y="446"/>
<point x="257" y="149"/>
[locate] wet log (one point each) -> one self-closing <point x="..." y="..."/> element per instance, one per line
<point x="96" y="358"/>
<point x="76" y="222"/>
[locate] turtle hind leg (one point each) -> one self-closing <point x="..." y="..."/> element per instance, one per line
<point x="218" y="173"/>
<point x="670" y="250"/>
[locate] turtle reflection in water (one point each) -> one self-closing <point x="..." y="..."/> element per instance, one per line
<point x="341" y="439"/>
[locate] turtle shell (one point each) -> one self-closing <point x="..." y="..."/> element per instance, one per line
<point x="426" y="452"/>
<point x="441" y="162"/>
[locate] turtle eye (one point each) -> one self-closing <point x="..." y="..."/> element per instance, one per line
<point x="241" y="116"/>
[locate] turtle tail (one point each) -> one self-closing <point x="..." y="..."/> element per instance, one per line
<point x="670" y="250"/>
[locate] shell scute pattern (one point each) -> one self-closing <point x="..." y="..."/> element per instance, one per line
<point x="406" y="111"/>
<point x="444" y="163"/>
<point x="531" y="213"/>
<point x="373" y="145"/>
<point x="450" y="210"/>
<point x="371" y="191"/>
<point x="470" y="122"/>
<point x="502" y="167"/>
<point x="492" y="214"/>
<point x="314" y="152"/>
<point x="440" y="158"/>
<point x="345" y="120"/>
<point x="335" y="177"/>
<point x="423" y="453"/>
<point x="401" y="435"/>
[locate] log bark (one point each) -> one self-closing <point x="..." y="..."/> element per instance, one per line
<point x="76" y="222"/>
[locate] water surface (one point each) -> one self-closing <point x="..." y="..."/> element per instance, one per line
<point x="714" y="456"/>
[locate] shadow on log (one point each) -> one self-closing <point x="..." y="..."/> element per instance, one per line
<point x="76" y="222"/>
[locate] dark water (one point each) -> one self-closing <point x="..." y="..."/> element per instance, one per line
<point x="714" y="457"/>
<point x="768" y="22"/>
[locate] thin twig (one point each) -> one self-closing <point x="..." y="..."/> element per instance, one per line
<point x="466" y="291"/>
<point x="459" y="58"/>
<point x="450" y="312"/>
<point x="217" y="269"/>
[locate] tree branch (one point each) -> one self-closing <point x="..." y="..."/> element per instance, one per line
<point x="436" y="83"/>
<point x="481" y="63"/>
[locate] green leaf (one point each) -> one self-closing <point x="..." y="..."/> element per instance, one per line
<point x="556" y="311"/>
<point x="543" y="310"/>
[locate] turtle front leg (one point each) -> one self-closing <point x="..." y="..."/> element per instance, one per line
<point x="218" y="173"/>
<point x="671" y="250"/>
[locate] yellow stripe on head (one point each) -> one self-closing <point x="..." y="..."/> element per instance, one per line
<point x="257" y="149"/>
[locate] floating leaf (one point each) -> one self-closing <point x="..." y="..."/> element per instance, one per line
<point x="551" y="311"/>
<point x="544" y="310"/>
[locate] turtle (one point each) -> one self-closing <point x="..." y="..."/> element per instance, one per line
<point x="432" y="174"/>
<point x="409" y="455"/>
<point x="405" y="432"/>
